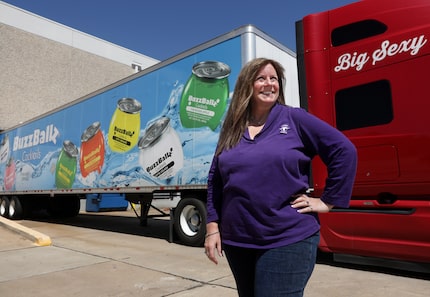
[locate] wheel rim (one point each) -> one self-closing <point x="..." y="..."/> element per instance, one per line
<point x="190" y="220"/>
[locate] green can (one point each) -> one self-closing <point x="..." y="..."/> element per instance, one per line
<point x="205" y="95"/>
<point x="65" y="170"/>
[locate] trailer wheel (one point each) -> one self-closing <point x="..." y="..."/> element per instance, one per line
<point x="17" y="209"/>
<point x="4" y="206"/>
<point x="190" y="221"/>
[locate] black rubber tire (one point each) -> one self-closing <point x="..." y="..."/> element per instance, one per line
<point x="17" y="209"/>
<point x="190" y="221"/>
<point x="4" y="206"/>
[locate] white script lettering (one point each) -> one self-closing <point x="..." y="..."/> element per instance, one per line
<point x="347" y="61"/>
<point x="413" y="45"/>
<point x="387" y="49"/>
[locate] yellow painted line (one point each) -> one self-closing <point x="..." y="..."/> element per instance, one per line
<point x="38" y="238"/>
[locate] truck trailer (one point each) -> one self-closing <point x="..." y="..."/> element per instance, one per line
<point x="149" y="138"/>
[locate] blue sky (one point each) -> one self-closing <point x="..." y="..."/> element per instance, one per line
<point x="163" y="28"/>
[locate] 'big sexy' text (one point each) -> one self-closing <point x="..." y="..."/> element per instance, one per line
<point x="386" y="49"/>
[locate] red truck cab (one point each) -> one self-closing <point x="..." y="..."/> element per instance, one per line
<point x="364" y="68"/>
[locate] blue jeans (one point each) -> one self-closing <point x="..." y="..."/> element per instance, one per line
<point x="276" y="272"/>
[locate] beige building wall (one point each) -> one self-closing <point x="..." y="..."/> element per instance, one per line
<point x="39" y="74"/>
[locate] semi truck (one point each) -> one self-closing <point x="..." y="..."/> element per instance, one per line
<point x="151" y="137"/>
<point x="148" y="139"/>
<point x="363" y="69"/>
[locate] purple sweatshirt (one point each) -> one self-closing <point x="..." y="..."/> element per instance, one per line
<point x="251" y="186"/>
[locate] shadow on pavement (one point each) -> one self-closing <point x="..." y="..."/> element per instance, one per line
<point x="121" y="222"/>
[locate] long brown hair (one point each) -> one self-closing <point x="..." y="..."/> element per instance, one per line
<point x="238" y="113"/>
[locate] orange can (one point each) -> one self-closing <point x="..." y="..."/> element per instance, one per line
<point x="92" y="150"/>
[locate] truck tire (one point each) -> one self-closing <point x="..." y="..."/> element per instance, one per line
<point x="17" y="208"/>
<point x="190" y="221"/>
<point x="4" y="206"/>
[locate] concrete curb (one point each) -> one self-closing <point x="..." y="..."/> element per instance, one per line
<point x="33" y="235"/>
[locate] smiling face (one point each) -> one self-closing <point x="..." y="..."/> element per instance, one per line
<point x="265" y="87"/>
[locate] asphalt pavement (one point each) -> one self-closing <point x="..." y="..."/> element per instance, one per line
<point x="109" y="254"/>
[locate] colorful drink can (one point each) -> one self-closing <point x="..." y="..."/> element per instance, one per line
<point x="10" y="174"/>
<point x="65" y="170"/>
<point x="204" y="99"/>
<point x="92" y="150"/>
<point x="125" y="125"/>
<point x="161" y="153"/>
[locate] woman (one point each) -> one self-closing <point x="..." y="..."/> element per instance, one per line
<point x="258" y="212"/>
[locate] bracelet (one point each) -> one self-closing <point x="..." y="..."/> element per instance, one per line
<point x="210" y="234"/>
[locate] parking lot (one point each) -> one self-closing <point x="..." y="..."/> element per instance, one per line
<point x="110" y="254"/>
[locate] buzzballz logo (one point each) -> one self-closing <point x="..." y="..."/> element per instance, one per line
<point x="206" y="101"/>
<point x="160" y="160"/>
<point x="124" y="131"/>
<point x="387" y="49"/>
<point x="49" y="134"/>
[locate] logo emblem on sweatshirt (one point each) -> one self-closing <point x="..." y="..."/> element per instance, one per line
<point x="284" y="129"/>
